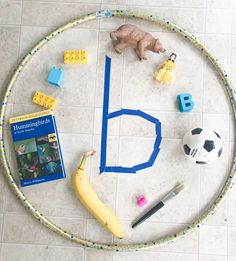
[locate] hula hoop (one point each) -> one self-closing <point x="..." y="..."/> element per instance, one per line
<point x="87" y="243"/>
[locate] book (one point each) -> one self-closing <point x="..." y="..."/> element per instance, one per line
<point x="37" y="148"/>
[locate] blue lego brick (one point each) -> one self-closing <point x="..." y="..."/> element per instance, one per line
<point x="185" y="101"/>
<point x="56" y="76"/>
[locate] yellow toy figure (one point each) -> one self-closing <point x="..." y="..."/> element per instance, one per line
<point x="165" y="74"/>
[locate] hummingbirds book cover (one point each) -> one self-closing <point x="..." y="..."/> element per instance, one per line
<point x="37" y="148"/>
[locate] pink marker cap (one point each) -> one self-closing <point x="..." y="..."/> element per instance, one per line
<point x="141" y="201"/>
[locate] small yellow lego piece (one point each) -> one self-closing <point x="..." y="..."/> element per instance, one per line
<point x="75" y="56"/>
<point x="44" y="100"/>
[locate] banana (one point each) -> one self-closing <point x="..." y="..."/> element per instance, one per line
<point x="90" y="200"/>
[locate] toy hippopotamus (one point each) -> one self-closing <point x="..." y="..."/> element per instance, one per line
<point x="129" y="35"/>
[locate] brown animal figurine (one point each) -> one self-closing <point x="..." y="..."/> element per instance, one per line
<point x="129" y="35"/>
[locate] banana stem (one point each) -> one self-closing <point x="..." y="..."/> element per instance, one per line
<point x="85" y="157"/>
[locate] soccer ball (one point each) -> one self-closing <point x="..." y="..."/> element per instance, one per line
<point x="202" y="145"/>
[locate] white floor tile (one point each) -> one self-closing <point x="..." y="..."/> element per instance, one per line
<point x="49" y="14"/>
<point x="100" y="255"/>
<point x="10" y="12"/>
<point x="213" y="240"/>
<point x="40" y="252"/>
<point x="9" y="48"/>
<point x="218" y="21"/>
<point x="23" y="229"/>
<point x="232" y="241"/>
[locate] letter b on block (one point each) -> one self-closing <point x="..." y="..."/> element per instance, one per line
<point x="185" y="102"/>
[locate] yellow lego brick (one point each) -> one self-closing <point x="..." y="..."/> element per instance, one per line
<point x="75" y="56"/>
<point x="44" y="100"/>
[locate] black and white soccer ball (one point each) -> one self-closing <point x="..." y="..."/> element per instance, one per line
<point x="202" y="145"/>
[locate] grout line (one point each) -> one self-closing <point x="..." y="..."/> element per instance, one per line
<point x="18" y="57"/>
<point x="19" y="48"/>
<point x="3" y="225"/>
<point x="13" y="98"/>
<point x="62" y="2"/>
<point x="115" y="4"/>
<point x="203" y="109"/>
<point x="46" y="245"/>
<point x="1" y="228"/>
<point x="85" y="253"/>
<point x="125" y="220"/>
<point x="74" y="246"/>
<point x="151" y="251"/>
<point x="229" y="162"/>
<point x="94" y="119"/>
<point x="141" y="108"/>
<point x="213" y="255"/>
<point x="119" y="143"/>
<point x="174" y="7"/>
<point x="107" y="29"/>
<point x="95" y="94"/>
<point x="119" y="140"/>
<point x="227" y="213"/>
<point x="166" y="138"/>
<point x="10" y="25"/>
<point x="127" y="4"/>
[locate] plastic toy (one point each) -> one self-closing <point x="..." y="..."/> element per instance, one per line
<point x="185" y="102"/>
<point x="141" y="201"/>
<point x="44" y="100"/>
<point x="165" y="74"/>
<point x="75" y="56"/>
<point x="202" y="145"/>
<point x="129" y="35"/>
<point x="56" y="76"/>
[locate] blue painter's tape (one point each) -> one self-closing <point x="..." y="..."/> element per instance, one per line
<point x="142" y="166"/>
<point x="119" y="169"/>
<point x="115" y="114"/>
<point x="147" y="116"/>
<point x="129" y="112"/>
<point x="158" y="128"/>
<point x="157" y="142"/>
<point x="102" y="169"/>
<point x="107" y="116"/>
<point x="154" y="155"/>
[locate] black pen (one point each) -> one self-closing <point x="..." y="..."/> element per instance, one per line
<point x="159" y="205"/>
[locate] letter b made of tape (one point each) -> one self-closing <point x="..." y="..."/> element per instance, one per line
<point x="185" y="102"/>
<point x="106" y="116"/>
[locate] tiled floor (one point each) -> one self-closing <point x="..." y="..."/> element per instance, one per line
<point x="24" y="22"/>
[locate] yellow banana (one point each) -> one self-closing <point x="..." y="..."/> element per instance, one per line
<point x="90" y="200"/>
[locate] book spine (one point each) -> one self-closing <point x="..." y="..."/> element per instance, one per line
<point x="59" y="146"/>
